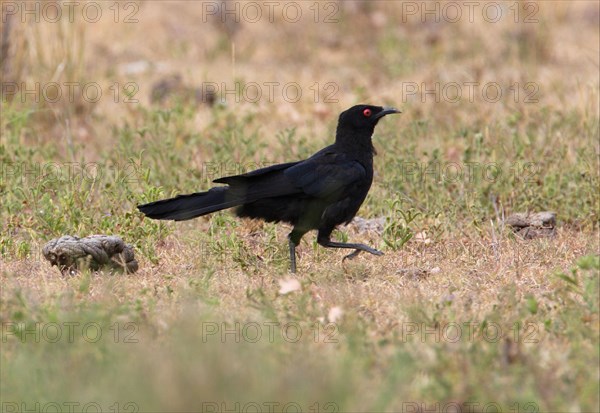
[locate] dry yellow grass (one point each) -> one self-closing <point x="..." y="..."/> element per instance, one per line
<point x="215" y="270"/>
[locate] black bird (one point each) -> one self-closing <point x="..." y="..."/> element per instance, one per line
<point x="319" y="193"/>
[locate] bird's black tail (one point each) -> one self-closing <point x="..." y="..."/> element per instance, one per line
<point x="191" y="206"/>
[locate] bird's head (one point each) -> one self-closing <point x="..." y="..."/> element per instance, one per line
<point x="361" y="120"/>
<point x="364" y="116"/>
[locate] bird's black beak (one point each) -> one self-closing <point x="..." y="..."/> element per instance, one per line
<point x="385" y="111"/>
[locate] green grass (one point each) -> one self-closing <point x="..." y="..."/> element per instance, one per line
<point x="459" y="311"/>
<point x="547" y="340"/>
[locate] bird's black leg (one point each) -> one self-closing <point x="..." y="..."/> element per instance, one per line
<point x="294" y="237"/>
<point x="358" y="247"/>
<point x="292" y="256"/>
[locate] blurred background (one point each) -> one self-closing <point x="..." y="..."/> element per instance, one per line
<point x="294" y="64"/>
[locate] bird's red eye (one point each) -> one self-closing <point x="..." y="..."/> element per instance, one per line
<point x="367" y="112"/>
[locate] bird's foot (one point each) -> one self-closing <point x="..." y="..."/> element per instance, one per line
<point x="351" y="255"/>
<point x="358" y="251"/>
<point x="376" y="252"/>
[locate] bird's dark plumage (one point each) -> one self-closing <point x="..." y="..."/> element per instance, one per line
<point x="319" y="193"/>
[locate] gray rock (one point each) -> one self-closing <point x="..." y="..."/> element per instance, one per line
<point x="71" y="254"/>
<point x="533" y="225"/>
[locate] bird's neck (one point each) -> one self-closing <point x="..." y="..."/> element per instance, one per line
<point x="356" y="141"/>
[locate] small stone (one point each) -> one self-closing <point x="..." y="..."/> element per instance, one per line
<point x="335" y="313"/>
<point x="538" y="219"/>
<point x="533" y="225"/>
<point x="367" y="225"/>
<point x="289" y="285"/>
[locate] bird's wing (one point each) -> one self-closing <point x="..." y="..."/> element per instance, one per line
<point x="327" y="175"/>
<point x="262" y="183"/>
<point x="243" y="178"/>
<point x="324" y="175"/>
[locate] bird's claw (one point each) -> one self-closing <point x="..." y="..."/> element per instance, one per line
<point x="357" y="251"/>
<point x="351" y="255"/>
